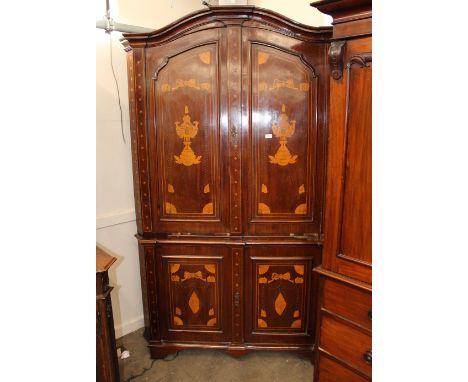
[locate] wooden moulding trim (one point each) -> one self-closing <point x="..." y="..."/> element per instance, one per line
<point x="224" y="346"/>
<point x="344" y="279"/>
<point x="342" y="363"/>
<point x="104" y="295"/>
<point x="344" y="10"/>
<point x="222" y="15"/>
<point x="103" y="260"/>
<point x="225" y="240"/>
<point x="229" y="242"/>
<point x="346" y="321"/>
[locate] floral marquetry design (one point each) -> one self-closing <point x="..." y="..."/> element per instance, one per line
<point x="263" y="209"/>
<point x="170" y="208"/>
<point x="208" y="209"/>
<point x="194" y="303"/>
<point x="280" y="304"/>
<point x="187" y="130"/>
<point x="301" y="209"/>
<point x="263" y="57"/>
<point x="210" y="268"/>
<point x="194" y="294"/>
<point x="178" y="321"/>
<point x="205" y="57"/>
<point x="280" y="291"/>
<point x="283" y="129"/>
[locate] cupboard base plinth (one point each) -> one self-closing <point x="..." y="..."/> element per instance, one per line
<point x="160" y="350"/>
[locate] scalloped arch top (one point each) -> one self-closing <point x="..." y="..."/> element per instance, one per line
<point x="222" y="16"/>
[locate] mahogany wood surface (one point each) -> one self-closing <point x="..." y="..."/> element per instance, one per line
<point x="228" y="112"/>
<point x="348" y="302"/>
<point x="345" y="342"/>
<point x="231" y="109"/>
<point x="103" y="260"/>
<point x="329" y="370"/>
<point x="347" y="249"/>
<point x="107" y="368"/>
<point x="344" y="323"/>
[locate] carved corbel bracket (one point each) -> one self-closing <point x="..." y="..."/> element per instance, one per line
<point x="361" y="59"/>
<point x="335" y="54"/>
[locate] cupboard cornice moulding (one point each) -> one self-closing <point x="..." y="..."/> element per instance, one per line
<point x="222" y="16"/>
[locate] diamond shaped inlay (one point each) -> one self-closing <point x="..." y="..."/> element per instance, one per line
<point x="194" y="303"/>
<point x="280" y="304"/>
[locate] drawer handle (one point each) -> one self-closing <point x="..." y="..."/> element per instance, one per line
<point x="368" y="357"/>
<point x="369" y="314"/>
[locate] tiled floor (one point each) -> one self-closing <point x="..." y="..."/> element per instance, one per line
<point x="209" y="365"/>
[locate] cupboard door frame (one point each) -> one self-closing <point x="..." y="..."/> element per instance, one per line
<point x="309" y="59"/>
<point x="338" y="226"/>
<point x="285" y="257"/>
<point x="182" y="263"/>
<point x="157" y="60"/>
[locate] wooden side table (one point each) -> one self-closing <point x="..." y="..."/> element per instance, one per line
<point x="107" y="367"/>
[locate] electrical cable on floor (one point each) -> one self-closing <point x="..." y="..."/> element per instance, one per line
<point x="169" y="358"/>
<point x="143" y="372"/>
<point x="117" y="86"/>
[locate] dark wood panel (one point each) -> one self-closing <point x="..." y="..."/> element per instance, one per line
<point x="188" y="126"/>
<point x="107" y="367"/>
<point x="346" y="343"/>
<point x="348" y="217"/>
<point x="344" y="329"/>
<point x="284" y="136"/>
<point x="356" y="225"/>
<point x="332" y="371"/>
<point x="188" y="159"/>
<point x="347" y="301"/>
<point x="229" y="219"/>
<point x="280" y="290"/>
<point x="195" y="285"/>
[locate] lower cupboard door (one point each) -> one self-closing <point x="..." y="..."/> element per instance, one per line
<point x="193" y="290"/>
<point x="280" y="294"/>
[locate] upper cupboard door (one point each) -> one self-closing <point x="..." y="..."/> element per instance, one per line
<point x="285" y="173"/>
<point x="187" y="161"/>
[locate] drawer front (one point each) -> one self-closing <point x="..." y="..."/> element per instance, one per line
<point x="349" y="302"/>
<point x="346" y="343"/>
<point x="331" y="371"/>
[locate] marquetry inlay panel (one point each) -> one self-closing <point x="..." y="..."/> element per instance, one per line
<point x="150" y="277"/>
<point x="235" y="128"/>
<point x="194" y="294"/>
<point x="237" y="270"/>
<point x="280" y="296"/>
<point x="187" y="127"/>
<point x="137" y="106"/>
<point x="284" y="138"/>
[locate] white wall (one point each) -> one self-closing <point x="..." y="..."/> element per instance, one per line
<point x="115" y="216"/>
<point x="296" y="10"/>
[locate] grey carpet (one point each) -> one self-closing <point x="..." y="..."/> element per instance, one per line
<point x="209" y="365"/>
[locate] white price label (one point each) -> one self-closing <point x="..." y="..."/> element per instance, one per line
<point x="268" y="136"/>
